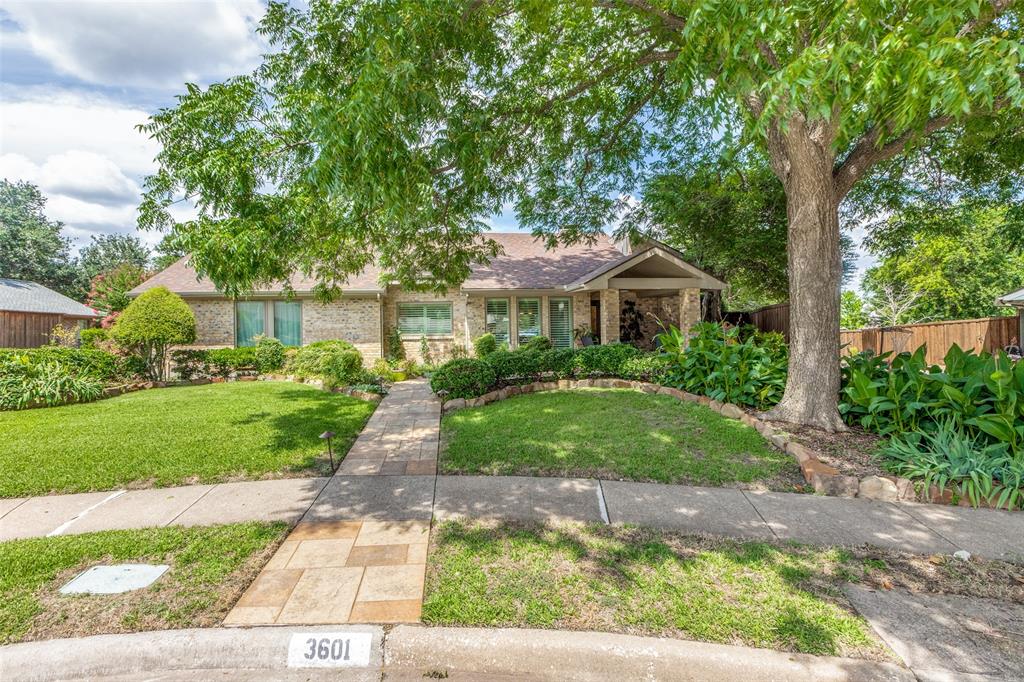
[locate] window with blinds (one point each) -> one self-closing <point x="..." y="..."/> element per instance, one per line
<point x="425" y="319"/>
<point x="560" y="322"/>
<point x="496" y="318"/>
<point x="529" y="319"/>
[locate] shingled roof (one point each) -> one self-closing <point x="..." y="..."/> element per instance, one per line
<point x="525" y="264"/>
<point x="20" y="296"/>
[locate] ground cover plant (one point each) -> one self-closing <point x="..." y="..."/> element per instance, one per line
<point x="645" y="582"/>
<point x="186" y="434"/>
<point x="209" y="569"/>
<point x="615" y="434"/>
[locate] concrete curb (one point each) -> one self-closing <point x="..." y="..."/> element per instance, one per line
<point x="413" y="651"/>
<point x="555" y="655"/>
<point x="254" y="649"/>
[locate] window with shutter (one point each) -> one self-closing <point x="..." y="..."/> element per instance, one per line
<point x="496" y="318"/>
<point x="529" y="319"/>
<point x="426" y="319"/>
<point x="560" y="321"/>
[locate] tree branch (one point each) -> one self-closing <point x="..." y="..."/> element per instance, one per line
<point x="670" y="20"/>
<point x="997" y="6"/>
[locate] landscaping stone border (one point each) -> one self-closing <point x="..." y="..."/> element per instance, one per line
<point x="823" y="478"/>
<point x="112" y="391"/>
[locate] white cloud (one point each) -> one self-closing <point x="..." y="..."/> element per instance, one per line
<point x="148" y="44"/>
<point x="85" y="176"/>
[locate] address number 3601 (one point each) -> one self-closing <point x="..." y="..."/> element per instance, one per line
<point x="329" y="649"/>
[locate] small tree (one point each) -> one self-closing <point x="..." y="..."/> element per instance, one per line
<point x="152" y="323"/>
<point x="109" y="290"/>
<point x="852" y="312"/>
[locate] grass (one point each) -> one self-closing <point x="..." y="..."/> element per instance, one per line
<point x="170" y="436"/>
<point x="618" y="434"/>
<point x="209" y="569"/>
<point x="642" y="582"/>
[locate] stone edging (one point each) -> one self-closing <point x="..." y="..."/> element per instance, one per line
<point x="825" y="479"/>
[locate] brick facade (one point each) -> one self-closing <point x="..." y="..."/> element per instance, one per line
<point x="440" y="346"/>
<point x="215" y="322"/>
<point x="353" y="319"/>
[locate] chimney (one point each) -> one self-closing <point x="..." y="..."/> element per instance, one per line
<point x="624" y="245"/>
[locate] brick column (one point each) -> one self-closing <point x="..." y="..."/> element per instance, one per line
<point x="610" y="314"/>
<point x="689" y="308"/>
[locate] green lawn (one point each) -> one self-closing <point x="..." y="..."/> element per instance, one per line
<point x="615" y="434"/>
<point x="637" y="581"/>
<point x="169" y="436"/>
<point x="209" y="569"/>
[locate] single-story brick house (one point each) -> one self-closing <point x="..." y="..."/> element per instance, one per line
<point x="525" y="291"/>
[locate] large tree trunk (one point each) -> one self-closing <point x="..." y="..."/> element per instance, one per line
<point x="804" y="162"/>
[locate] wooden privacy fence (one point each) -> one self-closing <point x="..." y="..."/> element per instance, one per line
<point x="983" y="334"/>
<point x="29" y="330"/>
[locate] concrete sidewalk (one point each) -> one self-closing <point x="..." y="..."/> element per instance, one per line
<point x="417" y="653"/>
<point x="920" y="528"/>
<point x="194" y="505"/>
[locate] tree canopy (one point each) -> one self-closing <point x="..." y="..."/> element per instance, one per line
<point x="31" y="246"/>
<point x="390" y="129"/>
<point x="107" y="252"/>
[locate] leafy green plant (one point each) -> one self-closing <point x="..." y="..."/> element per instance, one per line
<point x="151" y="324"/>
<point x="537" y="343"/>
<point x="269" y="354"/>
<point x="651" y="368"/>
<point x="463" y="378"/>
<point x="190" y="363"/>
<point x="224" y="361"/>
<point x="558" y="363"/>
<point x="485" y="345"/>
<point x="519" y="366"/>
<point x="336" y="362"/>
<point x="27" y="383"/>
<point x="85" y="362"/>
<point x="426" y="356"/>
<point x="719" y="364"/>
<point x="90" y="336"/>
<point x="396" y="349"/>
<point x="949" y="458"/>
<point x="603" y="360"/>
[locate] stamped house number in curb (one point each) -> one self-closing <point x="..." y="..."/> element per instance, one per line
<point x="329" y="649"/>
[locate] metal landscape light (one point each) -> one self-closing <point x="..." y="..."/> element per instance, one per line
<point x="327" y="436"/>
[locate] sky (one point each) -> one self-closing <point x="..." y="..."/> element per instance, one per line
<point x="78" y="76"/>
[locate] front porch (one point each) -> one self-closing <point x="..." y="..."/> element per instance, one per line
<point x="645" y="290"/>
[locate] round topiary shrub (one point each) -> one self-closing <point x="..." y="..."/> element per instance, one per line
<point x="153" y="322"/>
<point x="463" y="378"/>
<point x="269" y="355"/>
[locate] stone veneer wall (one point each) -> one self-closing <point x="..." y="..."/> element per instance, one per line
<point x="652" y="309"/>
<point x="610" y="315"/>
<point x="689" y="308"/>
<point x="350" y="318"/>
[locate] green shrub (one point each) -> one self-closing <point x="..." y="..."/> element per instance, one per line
<point x="557" y="362"/>
<point x="485" y="345"/>
<point x="426" y="356"/>
<point x="84" y="362"/>
<point x="649" y="367"/>
<point x="463" y="378"/>
<point x="269" y="354"/>
<point x="719" y="364"/>
<point x="190" y="363"/>
<point x="26" y="383"/>
<point x="153" y="322"/>
<point x="337" y="362"/>
<point x="90" y="336"/>
<point x="603" y="360"/>
<point x="224" y="361"/>
<point x="519" y="366"/>
<point x="396" y="349"/>
<point x="381" y="369"/>
<point x="537" y="343"/>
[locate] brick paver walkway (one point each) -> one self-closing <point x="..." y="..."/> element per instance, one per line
<point x="334" y="568"/>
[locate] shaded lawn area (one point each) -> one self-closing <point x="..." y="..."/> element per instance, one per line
<point x="209" y="569"/>
<point x="611" y="434"/>
<point x="637" y="581"/>
<point x="645" y="582"/>
<point x="170" y="436"/>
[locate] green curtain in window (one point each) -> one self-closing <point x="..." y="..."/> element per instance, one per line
<point x="496" y="318"/>
<point x="529" y="319"/>
<point x="248" y="322"/>
<point x="560" y="316"/>
<point x="288" y="322"/>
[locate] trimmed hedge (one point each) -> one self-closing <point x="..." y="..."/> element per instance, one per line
<point x="469" y="379"/>
<point x="463" y="378"/>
